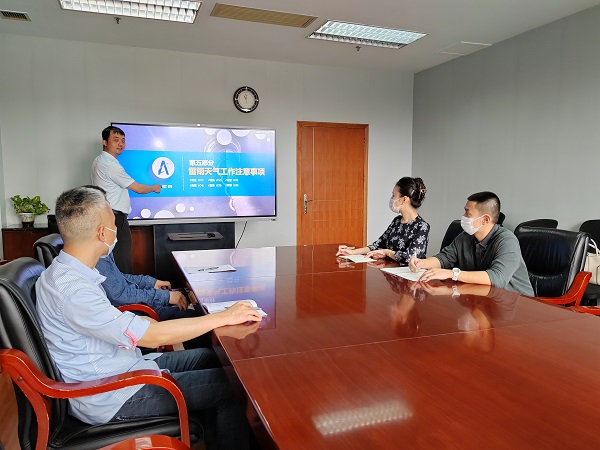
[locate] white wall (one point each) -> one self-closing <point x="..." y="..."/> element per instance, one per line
<point x="522" y="119"/>
<point x="56" y="96"/>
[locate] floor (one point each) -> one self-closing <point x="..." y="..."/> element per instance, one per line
<point x="8" y="414"/>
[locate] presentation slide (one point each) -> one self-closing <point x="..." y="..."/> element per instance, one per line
<point x="204" y="172"/>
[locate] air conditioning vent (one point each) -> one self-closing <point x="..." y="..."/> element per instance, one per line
<point x="261" y="15"/>
<point x="15" y="15"/>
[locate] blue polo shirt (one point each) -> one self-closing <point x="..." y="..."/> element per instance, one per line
<point x="88" y="338"/>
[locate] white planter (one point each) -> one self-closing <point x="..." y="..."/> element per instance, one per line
<point x="27" y="219"/>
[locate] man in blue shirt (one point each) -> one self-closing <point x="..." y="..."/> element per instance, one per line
<point x="125" y="289"/>
<point x="88" y="338"/>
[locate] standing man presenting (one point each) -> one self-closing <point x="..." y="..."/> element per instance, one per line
<point x="109" y="174"/>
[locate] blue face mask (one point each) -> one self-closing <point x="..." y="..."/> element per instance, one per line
<point x="111" y="246"/>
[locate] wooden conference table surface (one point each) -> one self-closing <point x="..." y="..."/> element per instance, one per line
<point x="351" y="357"/>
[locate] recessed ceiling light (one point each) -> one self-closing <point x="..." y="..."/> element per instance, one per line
<point x="365" y="34"/>
<point x="170" y="10"/>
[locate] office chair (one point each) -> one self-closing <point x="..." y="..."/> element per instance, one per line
<point x="538" y="223"/>
<point x="592" y="291"/>
<point x="454" y="229"/>
<point x="501" y="218"/>
<point x="555" y="260"/>
<point x="44" y="421"/>
<point x="47" y="248"/>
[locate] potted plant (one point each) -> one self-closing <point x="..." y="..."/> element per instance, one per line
<point x="27" y="208"/>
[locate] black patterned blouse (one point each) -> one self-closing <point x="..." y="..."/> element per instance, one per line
<point x="405" y="239"/>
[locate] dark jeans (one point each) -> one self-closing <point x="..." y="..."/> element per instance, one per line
<point x="205" y="388"/>
<point x="122" y="251"/>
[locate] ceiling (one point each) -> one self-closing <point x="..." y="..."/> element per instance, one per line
<point x="447" y="22"/>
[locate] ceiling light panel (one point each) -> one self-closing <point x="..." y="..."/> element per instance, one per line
<point x="170" y="10"/>
<point x="365" y="34"/>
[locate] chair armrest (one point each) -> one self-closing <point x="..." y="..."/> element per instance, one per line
<point x="595" y="310"/>
<point x="35" y="384"/>
<point x="574" y="294"/>
<point x="140" y="308"/>
<point x="150" y="442"/>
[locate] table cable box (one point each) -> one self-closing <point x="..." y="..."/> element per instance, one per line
<point x="195" y="236"/>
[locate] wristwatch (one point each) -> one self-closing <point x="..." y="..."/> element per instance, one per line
<point x="455" y="273"/>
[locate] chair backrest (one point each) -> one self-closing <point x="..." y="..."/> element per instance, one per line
<point x="592" y="227"/>
<point x="538" y="223"/>
<point x="454" y="229"/>
<point x="47" y="248"/>
<point x="553" y="257"/>
<point x="19" y="329"/>
<point x="501" y="218"/>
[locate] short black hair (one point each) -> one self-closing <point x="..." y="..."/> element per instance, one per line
<point x="78" y="212"/>
<point x="487" y="203"/>
<point x="115" y="130"/>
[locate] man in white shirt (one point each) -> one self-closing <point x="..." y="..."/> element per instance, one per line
<point x="109" y="174"/>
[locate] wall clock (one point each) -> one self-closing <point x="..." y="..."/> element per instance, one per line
<point x="245" y="99"/>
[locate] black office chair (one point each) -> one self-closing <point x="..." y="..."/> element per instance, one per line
<point x="501" y="218"/>
<point x="41" y="394"/>
<point x="454" y="229"/>
<point x="538" y="223"/>
<point x="47" y="248"/>
<point x="555" y="260"/>
<point x="592" y="292"/>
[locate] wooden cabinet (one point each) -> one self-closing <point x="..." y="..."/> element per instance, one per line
<point x="18" y="241"/>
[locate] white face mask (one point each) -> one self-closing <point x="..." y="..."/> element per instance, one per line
<point x="467" y="224"/>
<point x="394" y="208"/>
<point x="111" y="246"/>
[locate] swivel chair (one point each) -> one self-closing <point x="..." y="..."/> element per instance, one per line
<point x="538" y="223"/>
<point x="454" y="229"/>
<point x="47" y="248"/>
<point x="44" y="421"/>
<point x="592" y="291"/>
<point x="555" y="260"/>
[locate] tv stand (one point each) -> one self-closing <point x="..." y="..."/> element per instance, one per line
<point x="195" y="236"/>
<point x="187" y="236"/>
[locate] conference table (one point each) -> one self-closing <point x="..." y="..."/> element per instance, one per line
<point x="352" y="357"/>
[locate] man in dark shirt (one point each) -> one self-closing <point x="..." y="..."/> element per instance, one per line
<point x="485" y="253"/>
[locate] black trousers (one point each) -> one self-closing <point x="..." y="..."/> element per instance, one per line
<point x="122" y="251"/>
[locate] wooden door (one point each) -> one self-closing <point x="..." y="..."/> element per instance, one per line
<point x="332" y="183"/>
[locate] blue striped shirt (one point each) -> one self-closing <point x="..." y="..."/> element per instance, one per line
<point x="88" y="338"/>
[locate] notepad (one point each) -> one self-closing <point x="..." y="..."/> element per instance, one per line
<point x="357" y="258"/>
<point x="210" y="269"/>
<point x="222" y="306"/>
<point x="404" y="272"/>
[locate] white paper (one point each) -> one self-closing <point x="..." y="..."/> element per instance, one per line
<point x="405" y="272"/>
<point x="357" y="258"/>
<point x="210" y="269"/>
<point x="222" y="306"/>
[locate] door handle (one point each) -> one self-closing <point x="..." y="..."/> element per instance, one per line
<point x="306" y="200"/>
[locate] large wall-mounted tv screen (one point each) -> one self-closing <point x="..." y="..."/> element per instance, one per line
<point x="206" y="173"/>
